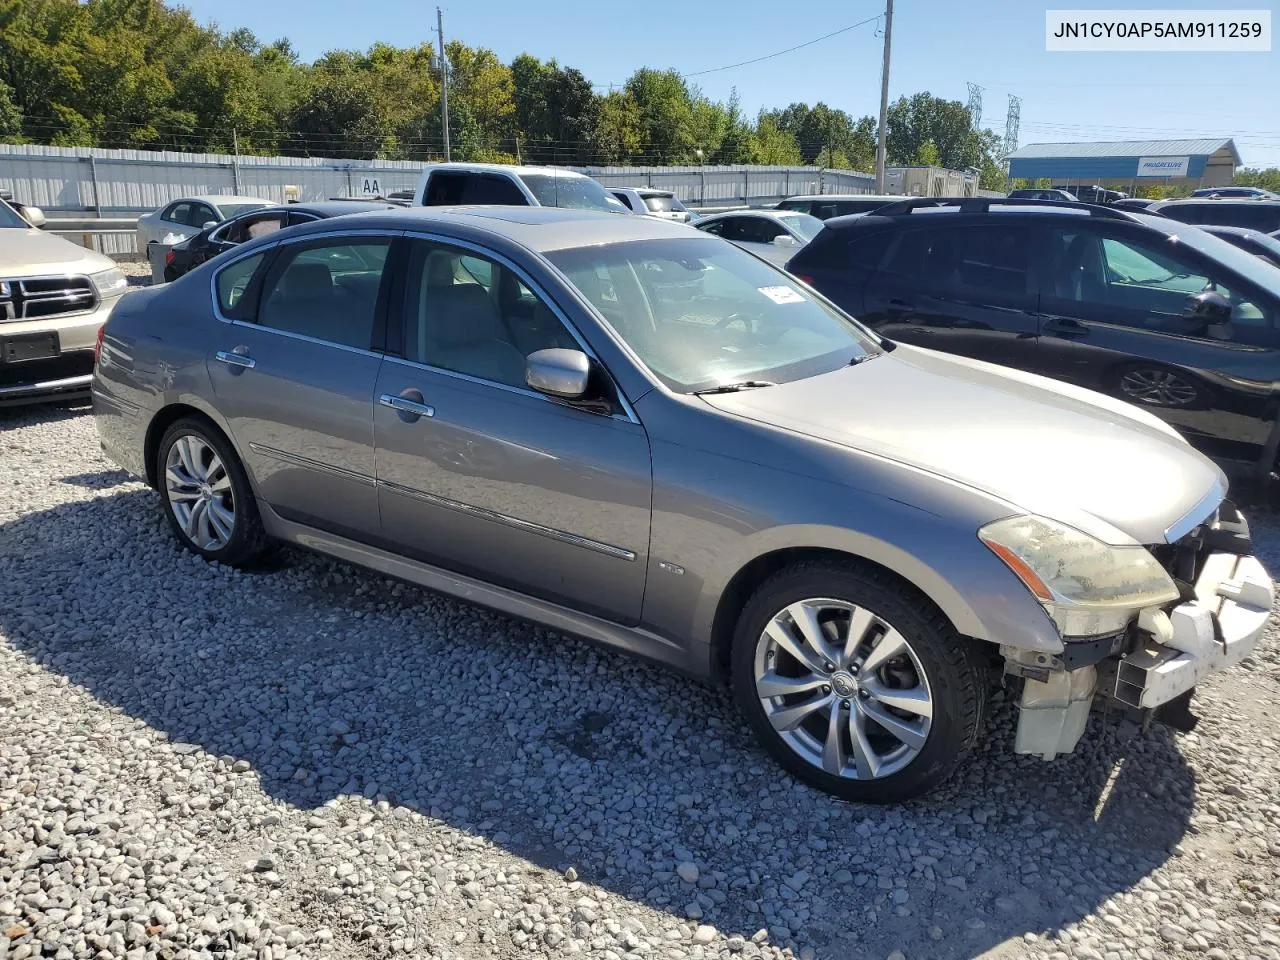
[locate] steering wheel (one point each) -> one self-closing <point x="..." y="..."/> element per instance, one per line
<point x="748" y="322"/>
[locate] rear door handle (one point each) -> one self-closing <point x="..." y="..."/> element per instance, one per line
<point x="233" y="359"/>
<point x="408" y="408"/>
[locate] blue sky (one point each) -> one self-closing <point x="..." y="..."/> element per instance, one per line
<point x="938" y="46"/>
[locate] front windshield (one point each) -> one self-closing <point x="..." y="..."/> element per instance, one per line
<point x="803" y="224"/>
<point x="230" y="210"/>
<point x="581" y="193"/>
<point x="9" y="218"/>
<point x="1252" y="268"/>
<point x="699" y="312"/>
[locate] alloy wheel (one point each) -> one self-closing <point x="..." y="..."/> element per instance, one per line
<point x="1162" y="388"/>
<point x="199" y="491"/>
<point x="843" y="689"/>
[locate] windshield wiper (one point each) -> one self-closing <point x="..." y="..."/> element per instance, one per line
<point x="734" y="387"/>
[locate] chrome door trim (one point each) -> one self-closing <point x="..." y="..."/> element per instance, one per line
<point x="289" y="334"/>
<point x="573" y="539"/>
<point x="405" y="405"/>
<point x="236" y="359"/>
<point x="308" y="463"/>
<point x="538" y="291"/>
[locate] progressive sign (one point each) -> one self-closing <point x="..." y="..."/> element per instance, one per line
<point x="1163" y="166"/>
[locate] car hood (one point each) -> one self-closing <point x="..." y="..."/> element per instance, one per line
<point x="25" y="252"/>
<point x="1059" y="451"/>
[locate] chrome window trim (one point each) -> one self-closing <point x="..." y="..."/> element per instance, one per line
<point x="1202" y="511"/>
<point x="553" y="533"/>
<point x="538" y="291"/>
<point x="303" y="338"/>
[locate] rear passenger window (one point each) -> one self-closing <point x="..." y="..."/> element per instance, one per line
<point x="974" y="261"/>
<point x="444" y="189"/>
<point x="488" y="188"/>
<point x="233" y="282"/>
<point x="326" y="291"/>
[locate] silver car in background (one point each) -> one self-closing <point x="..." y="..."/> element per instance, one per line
<point x="627" y="430"/>
<point x="776" y="235"/>
<point x="187" y="216"/>
<point x="649" y="202"/>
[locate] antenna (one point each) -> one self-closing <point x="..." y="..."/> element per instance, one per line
<point x="1011" y="124"/>
<point x="975" y="105"/>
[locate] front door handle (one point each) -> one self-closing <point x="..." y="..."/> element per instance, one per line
<point x="233" y="358"/>
<point x="408" y="405"/>
<point x="1063" y="327"/>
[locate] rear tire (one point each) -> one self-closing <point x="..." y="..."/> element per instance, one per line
<point x="206" y="494"/>
<point x="1156" y="385"/>
<point x="881" y="718"/>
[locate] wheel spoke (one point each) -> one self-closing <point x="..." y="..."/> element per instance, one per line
<point x="860" y="622"/>
<point x="781" y="634"/>
<point x="182" y="513"/>
<point x="222" y="519"/>
<point x="833" y="754"/>
<point x="914" y="700"/>
<point x="806" y="620"/>
<point x="891" y="645"/>
<point x="218" y="479"/>
<point x="903" y="730"/>
<point x="773" y="685"/>
<point x="864" y="756"/>
<point x="788" y="718"/>
<point x="199" y="531"/>
<point x="189" y="455"/>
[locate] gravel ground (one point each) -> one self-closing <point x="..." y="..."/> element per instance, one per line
<point x="312" y="761"/>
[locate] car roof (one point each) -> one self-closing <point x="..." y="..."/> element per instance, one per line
<point x="886" y="197"/>
<point x="504" y="168"/>
<point x="1234" y="231"/>
<point x="217" y="199"/>
<point x="340" y="208"/>
<point x="755" y="212"/>
<point x="537" y="228"/>
<point x="1224" y="202"/>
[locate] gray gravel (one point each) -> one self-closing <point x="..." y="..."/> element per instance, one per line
<point x="312" y="761"/>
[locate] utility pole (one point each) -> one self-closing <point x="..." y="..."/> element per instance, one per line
<point x="444" y="84"/>
<point x="884" y="97"/>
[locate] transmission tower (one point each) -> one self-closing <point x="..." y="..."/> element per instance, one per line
<point x="1011" y="124"/>
<point x="975" y="105"/>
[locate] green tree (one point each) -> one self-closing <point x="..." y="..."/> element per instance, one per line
<point x="480" y="80"/>
<point x="618" y="136"/>
<point x="664" y="114"/>
<point x="772" y="146"/>
<point x="556" y="111"/>
<point x="927" y="154"/>
<point x="1268" y="179"/>
<point x="10" y="116"/>
<point x="947" y="123"/>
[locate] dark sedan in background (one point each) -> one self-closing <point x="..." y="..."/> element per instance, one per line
<point x="1147" y="309"/>
<point x="207" y="244"/>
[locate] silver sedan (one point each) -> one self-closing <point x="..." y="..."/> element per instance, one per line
<point x="624" y="429"/>
<point x="187" y="216"/>
<point x="776" y="235"/>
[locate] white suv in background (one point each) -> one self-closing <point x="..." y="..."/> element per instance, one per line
<point x="54" y="297"/>
<point x="467" y="184"/>
<point x="649" y="202"/>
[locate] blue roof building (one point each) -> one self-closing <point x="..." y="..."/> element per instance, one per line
<point x="1207" y="163"/>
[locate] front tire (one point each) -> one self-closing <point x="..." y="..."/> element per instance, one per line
<point x="854" y="684"/>
<point x="206" y="494"/>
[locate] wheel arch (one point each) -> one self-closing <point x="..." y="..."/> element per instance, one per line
<point x="164" y="418"/>
<point x="939" y="596"/>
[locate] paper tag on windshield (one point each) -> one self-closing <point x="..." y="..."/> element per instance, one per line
<point x="781" y="294"/>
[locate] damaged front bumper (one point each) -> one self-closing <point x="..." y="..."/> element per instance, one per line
<point x="1161" y="658"/>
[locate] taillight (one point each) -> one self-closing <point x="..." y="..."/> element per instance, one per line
<point x="168" y="257"/>
<point x="97" y="345"/>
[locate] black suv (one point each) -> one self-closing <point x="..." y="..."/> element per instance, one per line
<point x="1258" y="214"/>
<point x="1146" y="309"/>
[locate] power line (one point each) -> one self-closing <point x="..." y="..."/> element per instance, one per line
<point x="779" y="53"/>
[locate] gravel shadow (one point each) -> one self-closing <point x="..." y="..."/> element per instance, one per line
<point x="332" y="681"/>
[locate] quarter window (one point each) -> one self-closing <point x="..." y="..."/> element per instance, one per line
<point x="974" y="261"/>
<point x="178" y="213"/>
<point x="469" y="314"/>
<point x="233" y="282"/>
<point x="328" y="291"/>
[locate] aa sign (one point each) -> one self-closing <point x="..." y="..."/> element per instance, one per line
<point x="370" y="186"/>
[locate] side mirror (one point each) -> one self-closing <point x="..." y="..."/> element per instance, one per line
<point x="35" y="216"/>
<point x="784" y="240"/>
<point x="558" y="372"/>
<point x="1209" y="306"/>
<point x="208" y="223"/>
